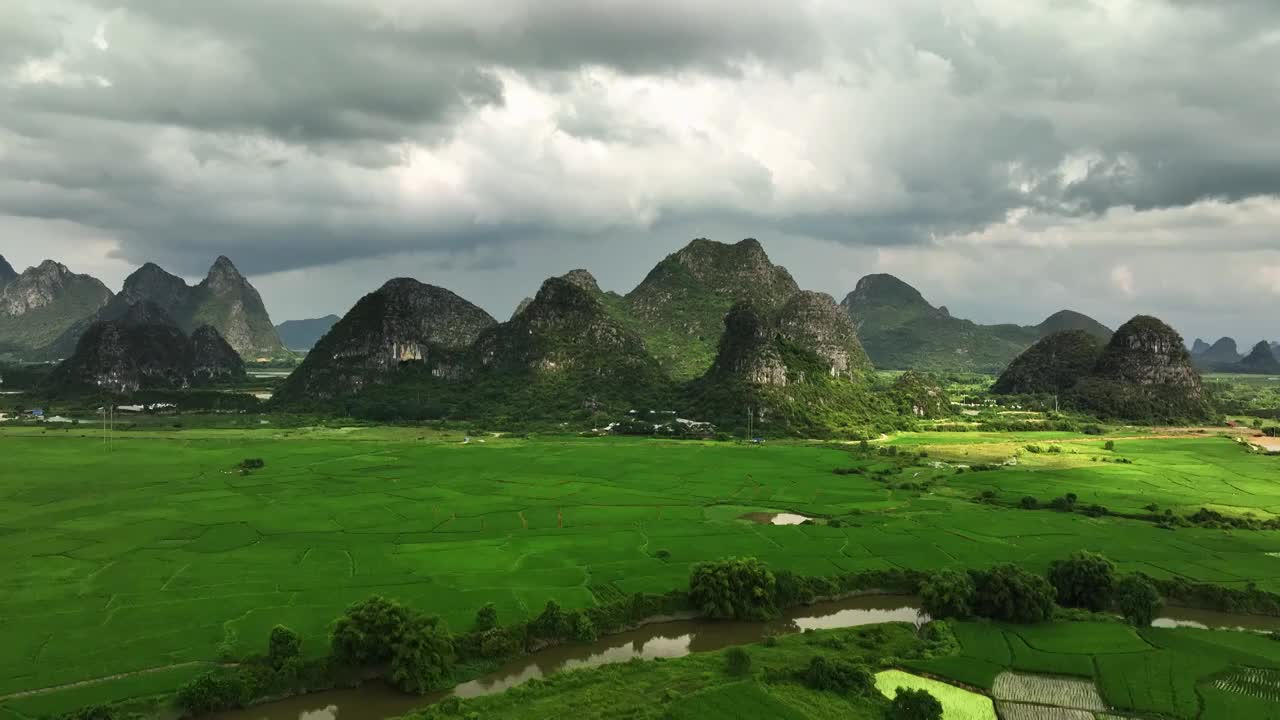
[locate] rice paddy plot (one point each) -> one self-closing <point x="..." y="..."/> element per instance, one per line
<point x="957" y="703"/>
<point x="1021" y="711"/>
<point x="1253" y="682"/>
<point x="1051" y="691"/>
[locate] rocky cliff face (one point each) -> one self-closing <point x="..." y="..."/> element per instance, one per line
<point x="403" y="321"/>
<point x="749" y="349"/>
<point x="39" y="305"/>
<point x="145" y="349"/>
<point x="1053" y="365"/>
<point x="812" y="320"/>
<point x="1145" y="374"/>
<point x="7" y="273"/>
<point x="226" y="300"/>
<point x="680" y="306"/>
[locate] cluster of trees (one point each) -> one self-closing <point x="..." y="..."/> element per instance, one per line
<point x="1010" y="594"/>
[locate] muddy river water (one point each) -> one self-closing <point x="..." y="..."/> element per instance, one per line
<point x="375" y="701"/>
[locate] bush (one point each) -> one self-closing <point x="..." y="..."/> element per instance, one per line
<point x="422" y="658"/>
<point x="1011" y="594"/>
<point x="734" y="589"/>
<point x="1084" y="580"/>
<point x="213" y="691"/>
<point x="93" y="712"/>
<point x="486" y="618"/>
<point x="1029" y="503"/>
<point x="252" y="464"/>
<point x="581" y="629"/>
<point x="283" y="646"/>
<point x="1137" y="600"/>
<point x="948" y="594"/>
<point x="367" y="632"/>
<point x="914" y="705"/>
<point x="838" y="676"/>
<point x="1109" y="445"/>
<point x="737" y="661"/>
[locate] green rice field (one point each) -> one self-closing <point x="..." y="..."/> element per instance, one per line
<point x="156" y="554"/>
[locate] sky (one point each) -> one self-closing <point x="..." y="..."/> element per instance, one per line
<point x="1009" y="158"/>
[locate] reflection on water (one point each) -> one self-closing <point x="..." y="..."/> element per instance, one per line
<point x="376" y="701"/>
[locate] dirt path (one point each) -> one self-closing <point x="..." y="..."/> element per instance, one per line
<point x="109" y="678"/>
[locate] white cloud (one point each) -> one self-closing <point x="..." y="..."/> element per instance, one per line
<point x="1122" y="279"/>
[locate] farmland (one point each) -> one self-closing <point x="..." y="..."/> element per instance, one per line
<point x="157" y="554"/>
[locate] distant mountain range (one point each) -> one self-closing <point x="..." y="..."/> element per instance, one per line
<point x="45" y="310"/>
<point x="302" y="335"/>
<point x="1224" y="356"/>
<point x="901" y="330"/>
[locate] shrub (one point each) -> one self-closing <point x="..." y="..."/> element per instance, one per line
<point x="93" y="712"/>
<point x="1137" y="600"/>
<point x="551" y="624"/>
<point x="914" y="705"/>
<point x="1009" y="593"/>
<point x="581" y="628"/>
<point x="368" y="631"/>
<point x="486" y="618"/>
<point x="737" y="661"/>
<point x="1084" y="580"/>
<point x="422" y="658"/>
<point x="1029" y="503"/>
<point x="838" y="676"/>
<point x="1109" y="445"/>
<point x="947" y="594"/>
<point x="252" y="464"/>
<point x="213" y="691"/>
<point x="283" y="645"/>
<point x="734" y="589"/>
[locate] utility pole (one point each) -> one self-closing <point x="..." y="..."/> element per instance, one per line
<point x="751" y="416"/>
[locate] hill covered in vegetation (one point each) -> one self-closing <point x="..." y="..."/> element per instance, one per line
<point x="1145" y="374"/>
<point x="901" y="330"/>
<point x="1053" y="365"/>
<point x="146" y="350"/>
<point x="40" y="304"/>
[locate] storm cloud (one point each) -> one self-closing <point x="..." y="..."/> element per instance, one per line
<point x="464" y="138"/>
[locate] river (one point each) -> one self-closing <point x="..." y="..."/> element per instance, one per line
<point x="376" y="701"/>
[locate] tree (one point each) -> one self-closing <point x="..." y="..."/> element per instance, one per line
<point x="1009" y="593"/>
<point x="486" y="618"/>
<point x="422" y="658"/>
<point x="1083" y="580"/>
<point x="1138" y="600"/>
<point x="551" y="624"/>
<point x="283" y="645"/>
<point x="581" y="629"/>
<point x="213" y="691"/>
<point x="738" y="661"/>
<point x="915" y="705"/>
<point x="947" y="594"/>
<point x="1030" y="503"/>
<point x="838" y="676"/>
<point x="367" y="632"/>
<point x="734" y="589"/>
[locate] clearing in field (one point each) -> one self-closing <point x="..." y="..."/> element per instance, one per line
<point x="957" y="703"/>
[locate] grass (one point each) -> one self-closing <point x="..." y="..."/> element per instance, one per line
<point x="957" y="703"/>
<point x="158" y="553"/>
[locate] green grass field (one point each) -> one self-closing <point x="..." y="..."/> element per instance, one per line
<point x="158" y="553"/>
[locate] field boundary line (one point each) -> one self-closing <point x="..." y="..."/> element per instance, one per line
<point x="109" y="678"/>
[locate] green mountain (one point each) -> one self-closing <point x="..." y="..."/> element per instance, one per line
<point x="143" y="350"/>
<point x="679" y="307"/>
<point x="7" y="273"/>
<point x="404" y="321"/>
<point x="302" y="335"/>
<point x="798" y="369"/>
<point x="39" y="305"/>
<point x="1053" y="365"/>
<point x="901" y="330"/>
<point x="1261" y="361"/>
<point x="1199" y="347"/>
<point x="1145" y="374"/>
<point x="224" y="300"/>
